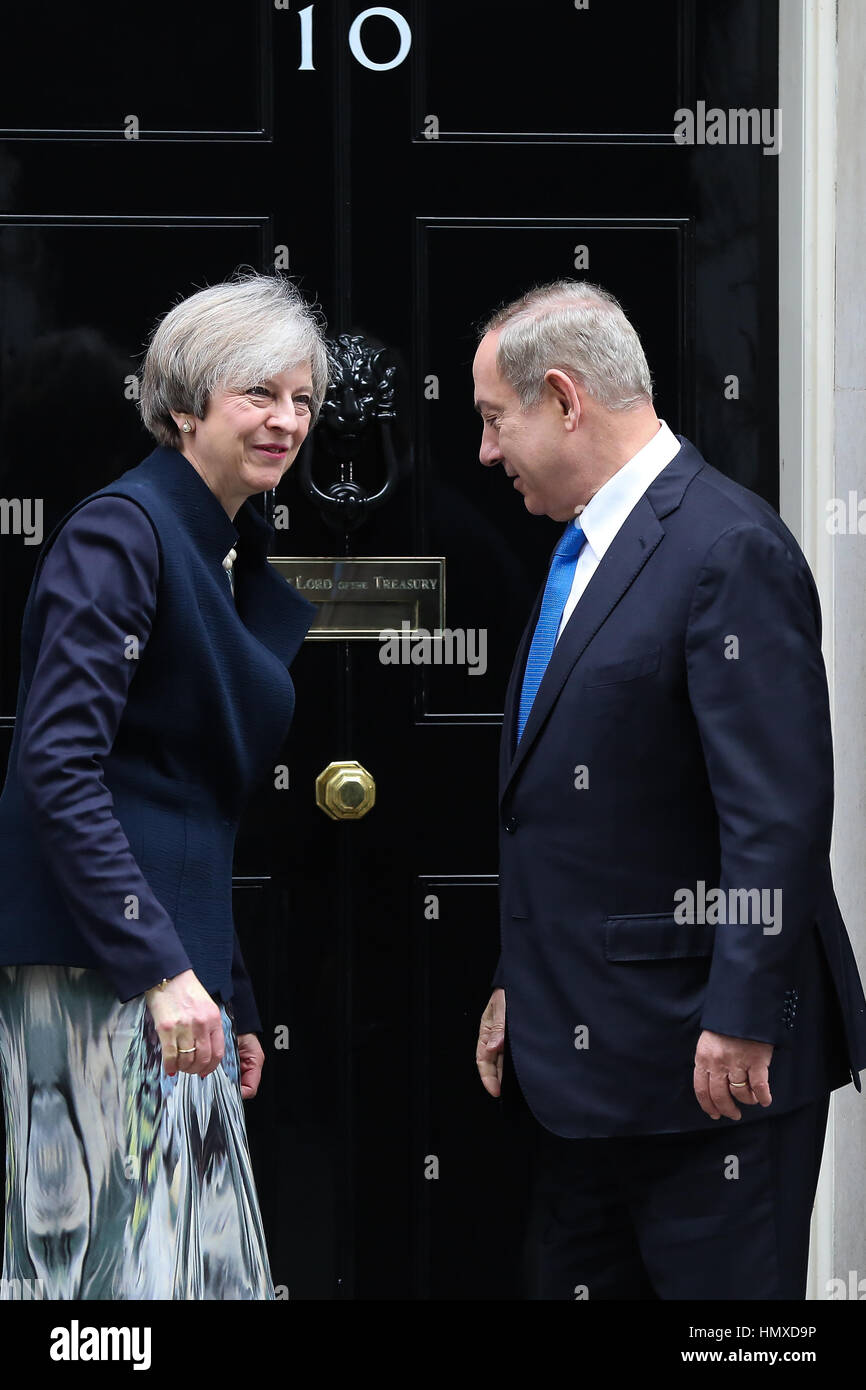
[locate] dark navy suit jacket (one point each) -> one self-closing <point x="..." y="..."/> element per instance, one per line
<point x="707" y="762"/>
<point x="150" y="705"/>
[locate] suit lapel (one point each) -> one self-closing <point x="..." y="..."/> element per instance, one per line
<point x="634" y="543"/>
<point x="515" y="683"/>
<point x="623" y="561"/>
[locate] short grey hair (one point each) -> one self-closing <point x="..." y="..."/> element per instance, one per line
<point x="235" y="334"/>
<point x="579" y="328"/>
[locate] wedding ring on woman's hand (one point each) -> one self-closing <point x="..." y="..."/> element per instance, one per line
<point x="192" y="1049"/>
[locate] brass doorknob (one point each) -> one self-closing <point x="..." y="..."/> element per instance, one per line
<point x="345" y="791"/>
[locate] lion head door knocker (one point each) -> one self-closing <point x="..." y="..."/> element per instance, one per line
<point x="354" y="432"/>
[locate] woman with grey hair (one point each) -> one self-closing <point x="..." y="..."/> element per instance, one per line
<point x="154" y="695"/>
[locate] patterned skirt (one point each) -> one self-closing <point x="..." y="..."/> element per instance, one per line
<point x="121" y="1182"/>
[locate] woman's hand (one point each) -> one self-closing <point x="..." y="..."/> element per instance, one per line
<point x="186" y="1018"/>
<point x="251" y="1059"/>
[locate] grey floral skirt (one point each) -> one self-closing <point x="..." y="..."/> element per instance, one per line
<point x="121" y="1182"/>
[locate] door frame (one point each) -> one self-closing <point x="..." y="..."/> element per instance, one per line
<point x="807" y="301"/>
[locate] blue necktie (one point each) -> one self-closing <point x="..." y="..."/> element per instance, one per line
<point x="556" y="591"/>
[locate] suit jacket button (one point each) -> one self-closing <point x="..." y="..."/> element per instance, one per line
<point x="511" y="824"/>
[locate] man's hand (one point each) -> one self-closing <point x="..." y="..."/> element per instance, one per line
<point x="252" y="1060"/>
<point x="491" y="1043"/>
<point x="720" y="1060"/>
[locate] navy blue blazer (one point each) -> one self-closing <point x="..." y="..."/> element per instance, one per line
<point x="707" y="762"/>
<point x="150" y="705"/>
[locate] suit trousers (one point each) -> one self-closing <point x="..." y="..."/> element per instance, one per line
<point x="721" y="1213"/>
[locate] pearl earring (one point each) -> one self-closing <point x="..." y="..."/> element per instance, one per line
<point x="186" y="427"/>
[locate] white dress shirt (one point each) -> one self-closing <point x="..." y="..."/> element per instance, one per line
<point x="608" y="508"/>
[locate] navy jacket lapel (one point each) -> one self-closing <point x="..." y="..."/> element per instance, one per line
<point x="275" y="613"/>
<point x="634" y="543"/>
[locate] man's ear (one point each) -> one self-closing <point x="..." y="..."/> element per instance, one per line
<point x="565" y="391"/>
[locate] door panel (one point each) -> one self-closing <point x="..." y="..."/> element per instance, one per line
<point x="183" y="72"/>
<point x="480" y="71"/>
<point x="508" y="146"/>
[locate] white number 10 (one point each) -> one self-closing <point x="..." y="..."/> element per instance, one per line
<point x="355" y="40"/>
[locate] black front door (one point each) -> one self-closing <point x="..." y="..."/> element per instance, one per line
<point x="412" y="165"/>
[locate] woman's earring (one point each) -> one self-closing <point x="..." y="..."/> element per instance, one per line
<point x="186" y="427"/>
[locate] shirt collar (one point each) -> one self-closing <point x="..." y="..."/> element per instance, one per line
<point x="608" y="508"/>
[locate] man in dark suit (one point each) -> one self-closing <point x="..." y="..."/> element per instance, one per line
<point x="681" y="992"/>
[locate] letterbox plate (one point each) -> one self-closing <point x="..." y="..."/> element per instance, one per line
<point x="360" y="597"/>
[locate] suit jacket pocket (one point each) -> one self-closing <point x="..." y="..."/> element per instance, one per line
<point x="656" y="936"/>
<point x="628" y="669"/>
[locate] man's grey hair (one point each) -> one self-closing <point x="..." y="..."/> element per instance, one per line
<point x="232" y="336"/>
<point x="579" y="328"/>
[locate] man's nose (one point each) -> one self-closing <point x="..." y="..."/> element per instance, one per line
<point x="489" y="453"/>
